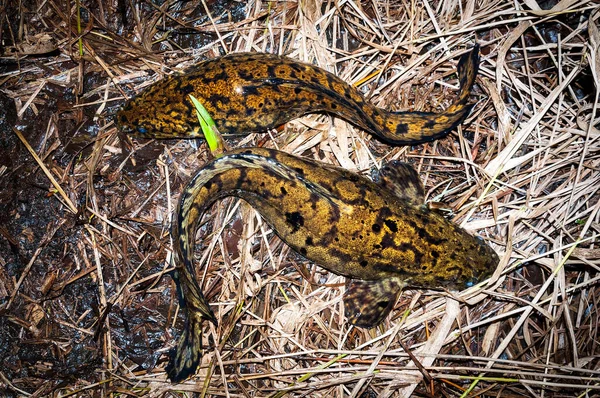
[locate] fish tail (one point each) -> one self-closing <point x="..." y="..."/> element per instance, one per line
<point x="191" y="297"/>
<point x="407" y="128"/>
<point x="185" y="358"/>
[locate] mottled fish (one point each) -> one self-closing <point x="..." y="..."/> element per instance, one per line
<point x="379" y="235"/>
<point x="250" y="92"/>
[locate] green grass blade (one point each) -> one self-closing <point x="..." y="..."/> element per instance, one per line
<point x="211" y="133"/>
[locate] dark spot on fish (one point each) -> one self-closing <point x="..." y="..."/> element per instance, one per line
<point x="385" y="212"/>
<point x="283" y="191"/>
<point x="251" y="90"/>
<point x="364" y="263"/>
<point x="222" y="75"/>
<point x="187" y="89"/>
<point x="303" y="251"/>
<point x="376" y="228"/>
<point x="244" y="74"/>
<point x="391" y="224"/>
<point x="401" y="129"/>
<point x="341" y="255"/>
<point x="295" y="219"/>
<point x="430" y="124"/>
<point x="409" y="247"/>
<point x="309" y="241"/>
<point x="388" y="241"/>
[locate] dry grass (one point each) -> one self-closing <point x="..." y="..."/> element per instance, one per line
<point x="88" y="292"/>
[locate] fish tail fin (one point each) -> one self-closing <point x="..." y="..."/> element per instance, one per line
<point x="185" y="358"/>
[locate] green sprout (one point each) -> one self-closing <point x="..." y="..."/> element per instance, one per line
<point x="209" y="129"/>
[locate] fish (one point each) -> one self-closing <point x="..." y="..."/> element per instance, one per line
<point x="380" y="235"/>
<point x="255" y="92"/>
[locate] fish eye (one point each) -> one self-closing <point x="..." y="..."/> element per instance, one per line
<point x="142" y="130"/>
<point x="472" y="282"/>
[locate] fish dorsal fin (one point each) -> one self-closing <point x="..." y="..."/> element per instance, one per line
<point x="367" y="303"/>
<point x="402" y="180"/>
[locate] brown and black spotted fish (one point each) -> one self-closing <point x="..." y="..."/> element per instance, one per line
<point x="379" y="235"/>
<point x="249" y="92"/>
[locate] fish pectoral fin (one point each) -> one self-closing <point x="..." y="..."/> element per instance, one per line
<point x="402" y="180"/>
<point x="367" y="303"/>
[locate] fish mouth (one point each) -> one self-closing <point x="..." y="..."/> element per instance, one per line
<point x="125" y="130"/>
<point x="125" y="126"/>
